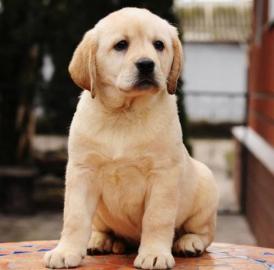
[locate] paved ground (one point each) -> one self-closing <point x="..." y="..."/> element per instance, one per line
<point x="233" y="229"/>
<point x="217" y="154"/>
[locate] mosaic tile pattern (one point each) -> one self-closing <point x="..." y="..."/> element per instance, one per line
<point x="28" y="256"/>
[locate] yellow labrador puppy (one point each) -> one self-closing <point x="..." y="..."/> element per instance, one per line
<point x="129" y="178"/>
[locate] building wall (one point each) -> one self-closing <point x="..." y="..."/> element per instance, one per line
<point x="261" y="86"/>
<point x="261" y="72"/>
<point x="260" y="201"/>
<point x="254" y="184"/>
<point x="255" y="181"/>
<point x="217" y="68"/>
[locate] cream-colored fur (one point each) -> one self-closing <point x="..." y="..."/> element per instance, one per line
<point x="129" y="177"/>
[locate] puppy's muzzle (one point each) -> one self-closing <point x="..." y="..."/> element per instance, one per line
<point x="145" y="67"/>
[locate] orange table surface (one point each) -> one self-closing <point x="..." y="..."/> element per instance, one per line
<point x="28" y="256"/>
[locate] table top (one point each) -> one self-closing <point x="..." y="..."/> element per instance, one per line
<point x="28" y="255"/>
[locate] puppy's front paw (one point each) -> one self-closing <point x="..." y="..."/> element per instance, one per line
<point x="63" y="257"/>
<point x="154" y="261"/>
<point x="189" y="245"/>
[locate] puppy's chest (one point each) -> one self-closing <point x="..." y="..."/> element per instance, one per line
<point x="124" y="186"/>
<point x="125" y="180"/>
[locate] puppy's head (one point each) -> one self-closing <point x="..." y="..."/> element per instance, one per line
<point x="132" y="50"/>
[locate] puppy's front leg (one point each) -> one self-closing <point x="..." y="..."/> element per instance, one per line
<point x="159" y="222"/>
<point x="80" y="202"/>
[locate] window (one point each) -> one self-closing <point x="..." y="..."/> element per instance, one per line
<point x="271" y="11"/>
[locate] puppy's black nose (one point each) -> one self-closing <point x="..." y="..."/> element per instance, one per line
<point x="145" y="65"/>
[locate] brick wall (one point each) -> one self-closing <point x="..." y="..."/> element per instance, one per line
<point x="261" y="78"/>
<point x="259" y="201"/>
<point x="255" y="181"/>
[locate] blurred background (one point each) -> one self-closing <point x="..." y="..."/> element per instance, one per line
<point x="225" y="102"/>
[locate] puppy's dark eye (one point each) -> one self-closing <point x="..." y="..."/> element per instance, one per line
<point x="121" y="45"/>
<point x="159" y="45"/>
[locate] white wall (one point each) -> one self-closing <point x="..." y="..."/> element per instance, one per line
<point x="215" y="68"/>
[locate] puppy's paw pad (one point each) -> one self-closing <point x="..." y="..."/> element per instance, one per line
<point x="189" y="245"/>
<point x="154" y="261"/>
<point x="63" y="258"/>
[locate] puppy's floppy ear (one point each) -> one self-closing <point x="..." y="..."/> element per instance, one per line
<point x="82" y="67"/>
<point x="176" y="67"/>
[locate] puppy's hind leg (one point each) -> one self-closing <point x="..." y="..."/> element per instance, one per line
<point x="199" y="229"/>
<point x="103" y="243"/>
<point x="103" y="240"/>
<point x="197" y="237"/>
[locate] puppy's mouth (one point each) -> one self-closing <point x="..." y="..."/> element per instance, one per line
<point x="145" y="83"/>
<point x="142" y="85"/>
